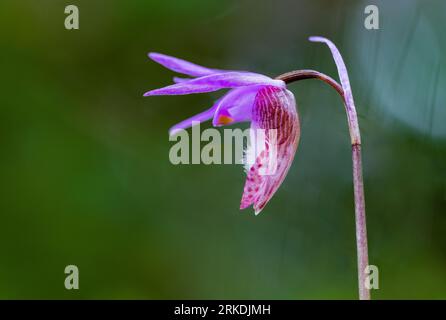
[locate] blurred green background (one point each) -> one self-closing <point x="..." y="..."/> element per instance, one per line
<point x="86" y="178"/>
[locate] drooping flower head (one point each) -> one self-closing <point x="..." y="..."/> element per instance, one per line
<point x="252" y="97"/>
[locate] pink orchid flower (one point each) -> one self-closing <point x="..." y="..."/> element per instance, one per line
<point x="269" y="106"/>
<point x="263" y="101"/>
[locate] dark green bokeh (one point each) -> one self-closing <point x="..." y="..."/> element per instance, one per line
<point x="86" y="177"/>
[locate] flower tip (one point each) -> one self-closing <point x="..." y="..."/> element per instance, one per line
<point x="319" y="39"/>
<point x="245" y="205"/>
<point x="175" y="130"/>
<point x="256" y="211"/>
<point x="316" y="39"/>
<point x="153" y="55"/>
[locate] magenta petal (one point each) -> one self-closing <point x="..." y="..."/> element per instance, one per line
<point x="198" y="118"/>
<point x="182" y="88"/>
<point x="235" y="79"/>
<point x="181" y="66"/>
<point x="236" y="106"/>
<point x="216" y="82"/>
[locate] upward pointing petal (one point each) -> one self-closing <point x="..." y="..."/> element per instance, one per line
<point x="181" y="66"/>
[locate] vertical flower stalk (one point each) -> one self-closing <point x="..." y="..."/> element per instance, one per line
<point x="345" y="92"/>
<point x="358" y="185"/>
